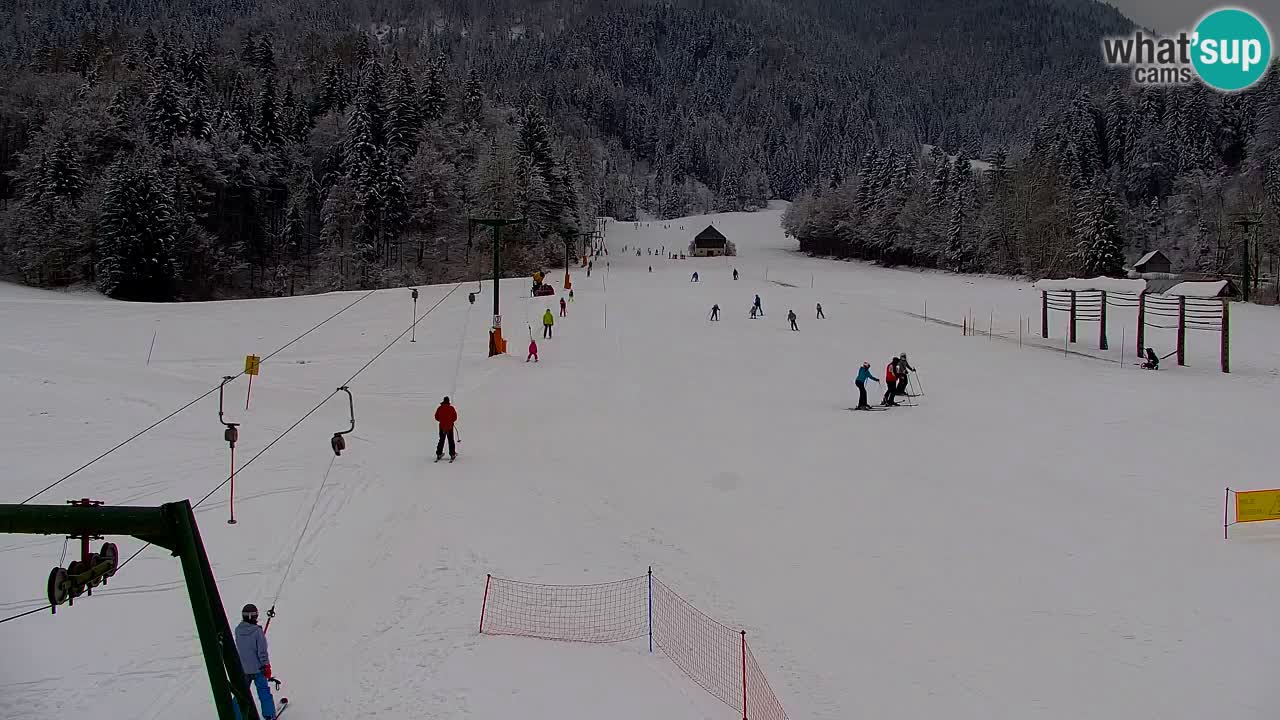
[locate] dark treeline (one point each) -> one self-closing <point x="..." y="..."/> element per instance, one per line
<point x="1101" y="178"/>
<point x="204" y="148"/>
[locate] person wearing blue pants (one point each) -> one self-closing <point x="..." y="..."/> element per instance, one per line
<point x="251" y="644"/>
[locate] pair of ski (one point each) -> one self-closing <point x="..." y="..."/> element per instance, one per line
<point x="878" y="408"/>
<point x="451" y="458"/>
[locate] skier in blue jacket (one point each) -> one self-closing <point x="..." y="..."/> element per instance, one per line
<point x="251" y="643"/>
<point x="864" y="374"/>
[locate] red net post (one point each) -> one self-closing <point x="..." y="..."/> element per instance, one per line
<point x="744" y="675"/>
<point x="485" y="603"/>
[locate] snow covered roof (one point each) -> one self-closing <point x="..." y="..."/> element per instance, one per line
<point x="1098" y="283"/>
<point x="710" y="237"/>
<point x="1211" y="289"/>
<point x="1146" y="257"/>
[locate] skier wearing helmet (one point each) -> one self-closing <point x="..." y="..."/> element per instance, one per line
<point x="251" y="644"/>
<point x="891" y="373"/>
<point x="903" y="367"/>
<point x="864" y="374"/>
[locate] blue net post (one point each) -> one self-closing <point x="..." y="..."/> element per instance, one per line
<point x="651" y="608"/>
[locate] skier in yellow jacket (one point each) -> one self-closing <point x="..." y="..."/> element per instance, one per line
<point x="547" y="321"/>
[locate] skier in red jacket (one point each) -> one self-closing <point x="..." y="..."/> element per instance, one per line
<point x="446" y="415"/>
<point x="891" y="372"/>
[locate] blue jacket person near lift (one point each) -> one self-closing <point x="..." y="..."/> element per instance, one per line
<point x="251" y="643"/>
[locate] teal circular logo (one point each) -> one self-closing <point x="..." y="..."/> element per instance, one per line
<point x="1231" y="49"/>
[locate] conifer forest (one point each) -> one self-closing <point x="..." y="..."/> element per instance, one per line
<point x="165" y="150"/>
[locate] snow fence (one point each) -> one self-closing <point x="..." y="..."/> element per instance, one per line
<point x="712" y="654"/>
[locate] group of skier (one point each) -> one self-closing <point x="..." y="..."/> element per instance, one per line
<point x="757" y="310"/>
<point x="896" y="373"/>
<point x="896" y="379"/>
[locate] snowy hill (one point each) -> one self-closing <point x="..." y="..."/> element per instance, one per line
<point x="1038" y="537"/>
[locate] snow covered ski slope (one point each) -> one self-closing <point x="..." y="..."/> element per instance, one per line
<point x="1039" y="537"/>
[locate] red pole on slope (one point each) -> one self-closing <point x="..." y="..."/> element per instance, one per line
<point x="744" y="675"/>
<point x="1225" y="502"/>
<point x="247" y="394"/>
<point x="484" y="603"/>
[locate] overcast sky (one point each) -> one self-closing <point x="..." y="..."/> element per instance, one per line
<point x="1169" y="16"/>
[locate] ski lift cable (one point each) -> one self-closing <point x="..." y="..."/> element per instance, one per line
<point x="32" y="611"/>
<point x="344" y="388"/>
<point x="211" y="391"/>
<point x="271" y="612"/>
<point x="462" y="341"/>
<point x="328" y="397"/>
<point x="279" y="437"/>
<point x="222" y="484"/>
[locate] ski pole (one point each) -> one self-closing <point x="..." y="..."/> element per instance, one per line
<point x="457" y="434"/>
<point x="918" y="383"/>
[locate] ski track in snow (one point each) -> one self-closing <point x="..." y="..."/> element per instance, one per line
<point x="1039" y="538"/>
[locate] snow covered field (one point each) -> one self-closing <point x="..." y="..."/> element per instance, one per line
<point x="1039" y="538"/>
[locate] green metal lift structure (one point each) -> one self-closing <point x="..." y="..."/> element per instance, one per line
<point x="171" y="526"/>
<point x="496" y="344"/>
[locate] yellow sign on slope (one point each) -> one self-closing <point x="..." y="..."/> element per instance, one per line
<point x="1256" y="505"/>
<point x="251" y="364"/>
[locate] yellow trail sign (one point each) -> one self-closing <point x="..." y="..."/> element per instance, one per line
<point x="1257" y="505"/>
<point x="251" y="364"/>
